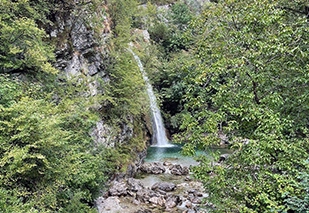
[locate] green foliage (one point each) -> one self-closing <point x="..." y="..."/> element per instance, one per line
<point x="172" y="89"/>
<point x="122" y="13"/>
<point x="9" y="91"/>
<point x="181" y="15"/>
<point x="245" y="75"/>
<point x="158" y="2"/>
<point x="159" y="32"/>
<point x="47" y="160"/>
<point x="23" y="47"/>
<point x="126" y="88"/>
<point x="300" y="203"/>
<point x="171" y="34"/>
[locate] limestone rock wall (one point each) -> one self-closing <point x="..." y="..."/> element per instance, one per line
<point x="82" y="35"/>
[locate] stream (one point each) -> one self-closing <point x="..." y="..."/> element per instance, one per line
<point x="162" y="184"/>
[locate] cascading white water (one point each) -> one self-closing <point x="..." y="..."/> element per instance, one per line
<point x="159" y="135"/>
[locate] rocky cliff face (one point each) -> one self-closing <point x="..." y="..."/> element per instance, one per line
<point x="81" y="50"/>
<point x="82" y="37"/>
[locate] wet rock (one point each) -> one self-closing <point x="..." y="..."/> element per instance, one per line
<point x="195" y="196"/>
<point x="161" y="192"/>
<point x="179" y="170"/>
<point x="152" y="168"/>
<point x="118" y="189"/>
<point x="165" y="186"/>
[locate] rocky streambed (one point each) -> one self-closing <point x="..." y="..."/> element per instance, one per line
<point x="157" y="188"/>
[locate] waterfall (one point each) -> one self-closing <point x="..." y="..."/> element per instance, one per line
<point x="159" y="135"/>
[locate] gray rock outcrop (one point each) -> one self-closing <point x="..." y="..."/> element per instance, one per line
<point x="179" y="170"/>
<point x="163" y="196"/>
<point x="153" y="168"/>
<point x="118" y="188"/>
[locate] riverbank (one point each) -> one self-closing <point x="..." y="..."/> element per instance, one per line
<point x="163" y="183"/>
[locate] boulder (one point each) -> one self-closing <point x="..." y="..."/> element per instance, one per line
<point x="134" y="185"/>
<point x="144" y="195"/>
<point x="195" y="196"/>
<point x="188" y="178"/>
<point x="153" y="168"/>
<point x="157" y="200"/>
<point x="197" y="200"/>
<point x="172" y="201"/>
<point x="179" y="170"/>
<point x="165" y="186"/>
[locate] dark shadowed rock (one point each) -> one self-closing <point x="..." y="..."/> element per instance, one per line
<point x="179" y="170"/>
<point x="223" y="157"/>
<point x="165" y="186"/>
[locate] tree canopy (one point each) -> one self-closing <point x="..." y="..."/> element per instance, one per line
<point x="244" y="74"/>
<point x="48" y="159"/>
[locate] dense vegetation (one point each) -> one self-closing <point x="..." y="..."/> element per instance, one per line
<point x="240" y="69"/>
<point x="236" y="68"/>
<point x="48" y="161"/>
